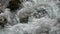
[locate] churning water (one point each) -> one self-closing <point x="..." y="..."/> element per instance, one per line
<point x="43" y="18"/>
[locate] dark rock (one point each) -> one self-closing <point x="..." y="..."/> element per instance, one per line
<point x="40" y="13"/>
<point x="1" y="11"/>
<point x="24" y="20"/>
<point x="14" y="4"/>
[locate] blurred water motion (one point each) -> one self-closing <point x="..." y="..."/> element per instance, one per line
<point x="31" y="17"/>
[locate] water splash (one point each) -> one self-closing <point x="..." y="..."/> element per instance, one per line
<point x="46" y="24"/>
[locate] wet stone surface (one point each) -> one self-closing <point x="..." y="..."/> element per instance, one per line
<point x="3" y="21"/>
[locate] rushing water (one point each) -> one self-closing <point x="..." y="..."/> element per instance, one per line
<point x="43" y="17"/>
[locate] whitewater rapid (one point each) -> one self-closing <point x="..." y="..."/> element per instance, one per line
<point x="46" y="24"/>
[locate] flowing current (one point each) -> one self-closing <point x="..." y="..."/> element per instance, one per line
<point x="36" y="17"/>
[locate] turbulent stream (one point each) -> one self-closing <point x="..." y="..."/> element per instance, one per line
<point x="36" y="17"/>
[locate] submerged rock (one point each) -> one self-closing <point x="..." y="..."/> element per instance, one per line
<point x="40" y="13"/>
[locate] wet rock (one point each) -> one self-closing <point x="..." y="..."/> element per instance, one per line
<point x="14" y="4"/>
<point x="40" y="13"/>
<point x="24" y="20"/>
<point x="3" y="21"/>
<point x="1" y="8"/>
<point x="1" y="11"/>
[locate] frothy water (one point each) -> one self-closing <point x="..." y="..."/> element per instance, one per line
<point x="42" y="18"/>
